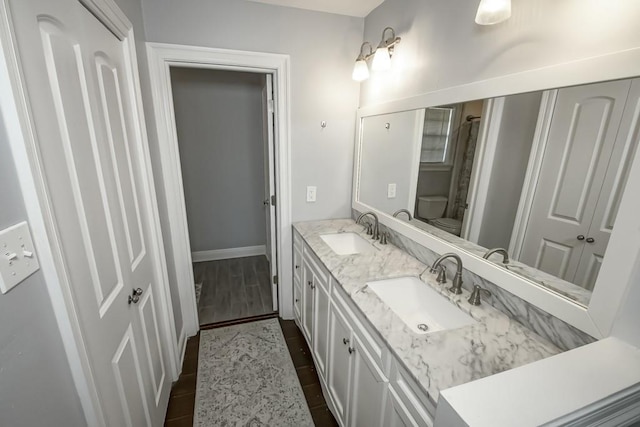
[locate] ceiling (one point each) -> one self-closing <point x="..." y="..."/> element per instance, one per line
<point x="359" y="8"/>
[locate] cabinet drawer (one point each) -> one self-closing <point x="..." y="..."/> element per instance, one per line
<point x="375" y="347"/>
<point x="414" y="399"/>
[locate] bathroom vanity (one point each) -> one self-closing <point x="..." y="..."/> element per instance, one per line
<point x="376" y="367"/>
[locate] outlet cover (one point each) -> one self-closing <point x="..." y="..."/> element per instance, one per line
<point x="311" y="193"/>
<point x="391" y="191"/>
<point x="18" y="258"/>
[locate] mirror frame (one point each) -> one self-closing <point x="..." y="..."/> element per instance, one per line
<point x="622" y="258"/>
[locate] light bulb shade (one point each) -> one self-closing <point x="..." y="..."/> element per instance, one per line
<point x="381" y="59"/>
<point x="493" y="11"/>
<point x="360" y="70"/>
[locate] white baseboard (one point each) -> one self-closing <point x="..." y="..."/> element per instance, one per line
<point x="217" y="254"/>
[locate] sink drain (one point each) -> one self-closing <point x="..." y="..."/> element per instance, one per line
<point x="423" y="327"/>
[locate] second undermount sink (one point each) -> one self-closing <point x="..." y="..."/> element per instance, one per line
<point x="419" y="306"/>
<point x="347" y="243"/>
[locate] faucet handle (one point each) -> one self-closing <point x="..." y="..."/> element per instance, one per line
<point x="442" y="275"/>
<point x="369" y="228"/>
<point x="474" y="298"/>
<point x="383" y="237"/>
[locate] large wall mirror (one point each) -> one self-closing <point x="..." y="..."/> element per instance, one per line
<point x="539" y="175"/>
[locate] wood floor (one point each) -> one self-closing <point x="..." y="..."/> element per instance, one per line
<point x="233" y="289"/>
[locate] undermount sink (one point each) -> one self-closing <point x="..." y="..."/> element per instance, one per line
<point x="419" y="306"/>
<point x="347" y="243"/>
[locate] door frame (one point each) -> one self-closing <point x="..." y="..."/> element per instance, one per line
<point x="22" y="137"/>
<point x="161" y="57"/>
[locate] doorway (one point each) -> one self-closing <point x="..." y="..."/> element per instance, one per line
<point x="225" y="134"/>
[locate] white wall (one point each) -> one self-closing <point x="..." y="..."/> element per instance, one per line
<point x="442" y="46"/>
<point x="322" y="47"/>
<point x="510" y="162"/>
<point x="220" y="136"/>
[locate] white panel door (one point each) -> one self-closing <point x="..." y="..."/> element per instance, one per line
<point x="615" y="180"/>
<point x="81" y="101"/>
<point x="581" y="139"/>
<point x="270" y="185"/>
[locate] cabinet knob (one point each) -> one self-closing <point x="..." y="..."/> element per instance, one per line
<point x="297" y="267"/>
<point x="590" y="240"/>
<point x="309" y="283"/>
<point x="352" y="350"/>
<point x="297" y="299"/>
<point x="580" y="237"/>
<point x="345" y="341"/>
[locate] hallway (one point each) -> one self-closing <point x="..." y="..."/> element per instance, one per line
<point x="233" y="289"/>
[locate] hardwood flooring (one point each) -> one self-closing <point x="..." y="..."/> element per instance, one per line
<point x="233" y="289"/>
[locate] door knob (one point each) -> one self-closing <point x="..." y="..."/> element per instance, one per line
<point x="135" y="295"/>
<point x="580" y="237"/>
<point x="590" y="240"/>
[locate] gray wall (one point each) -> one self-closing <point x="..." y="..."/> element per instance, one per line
<point x="323" y="48"/>
<point x="36" y="387"/>
<point x="442" y="46"/>
<point x="220" y="136"/>
<point x="509" y="168"/>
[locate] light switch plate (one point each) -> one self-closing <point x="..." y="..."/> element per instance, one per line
<point x="391" y="191"/>
<point x="18" y="258"/>
<point x="311" y="193"/>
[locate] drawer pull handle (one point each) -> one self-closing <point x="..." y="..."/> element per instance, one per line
<point x="345" y="341"/>
<point x="590" y="240"/>
<point x="352" y="350"/>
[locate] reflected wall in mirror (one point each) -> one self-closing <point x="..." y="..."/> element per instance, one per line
<point x="540" y="174"/>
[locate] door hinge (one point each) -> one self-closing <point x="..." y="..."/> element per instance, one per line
<point x="275" y="279"/>
<point x="273" y="200"/>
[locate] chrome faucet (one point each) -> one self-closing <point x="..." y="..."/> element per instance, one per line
<point x="503" y="251"/>
<point x="456" y="287"/>
<point x="399" y="211"/>
<point x="376" y="229"/>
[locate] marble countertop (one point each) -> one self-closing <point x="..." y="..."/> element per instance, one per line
<point x="441" y="359"/>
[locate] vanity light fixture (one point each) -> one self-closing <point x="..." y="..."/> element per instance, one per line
<point x="493" y="11"/>
<point x="381" y="57"/>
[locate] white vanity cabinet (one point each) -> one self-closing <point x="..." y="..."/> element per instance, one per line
<point x="356" y="380"/>
<point x="363" y="385"/>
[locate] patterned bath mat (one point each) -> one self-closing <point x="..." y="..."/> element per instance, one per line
<point x="246" y="378"/>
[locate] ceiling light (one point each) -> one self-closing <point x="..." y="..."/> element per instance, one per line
<point x="493" y="11"/>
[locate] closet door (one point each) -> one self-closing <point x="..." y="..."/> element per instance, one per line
<point x="615" y="180"/>
<point x="581" y="140"/>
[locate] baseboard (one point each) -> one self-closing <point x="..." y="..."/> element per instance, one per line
<point x="218" y="254"/>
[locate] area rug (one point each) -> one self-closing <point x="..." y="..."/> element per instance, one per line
<point x="246" y="378"/>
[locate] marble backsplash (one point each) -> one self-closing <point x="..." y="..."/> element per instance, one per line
<point x="563" y="335"/>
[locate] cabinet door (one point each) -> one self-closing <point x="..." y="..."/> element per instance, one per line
<point x="307" y="301"/>
<point x="297" y="265"/>
<point x="339" y="362"/>
<point x="297" y="303"/>
<point x="396" y="413"/>
<point x="368" y="388"/>
<point x="321" y="326"/>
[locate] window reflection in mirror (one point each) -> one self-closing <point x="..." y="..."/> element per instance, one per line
<point x="543" y="178"/>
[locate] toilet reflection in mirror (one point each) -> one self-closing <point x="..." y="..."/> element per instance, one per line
<point x="449" y="138"/>
<point x="540" y="174"/>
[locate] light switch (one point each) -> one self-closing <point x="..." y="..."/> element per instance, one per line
<point x="17" y="256"/>
<point x="311" y="193"/>
<point x="391" y="191"/>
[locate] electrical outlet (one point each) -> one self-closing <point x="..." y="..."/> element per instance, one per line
<point x="17" y="256"/>
<point x="391" y="191"/>
<point x="311" y="193"/>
